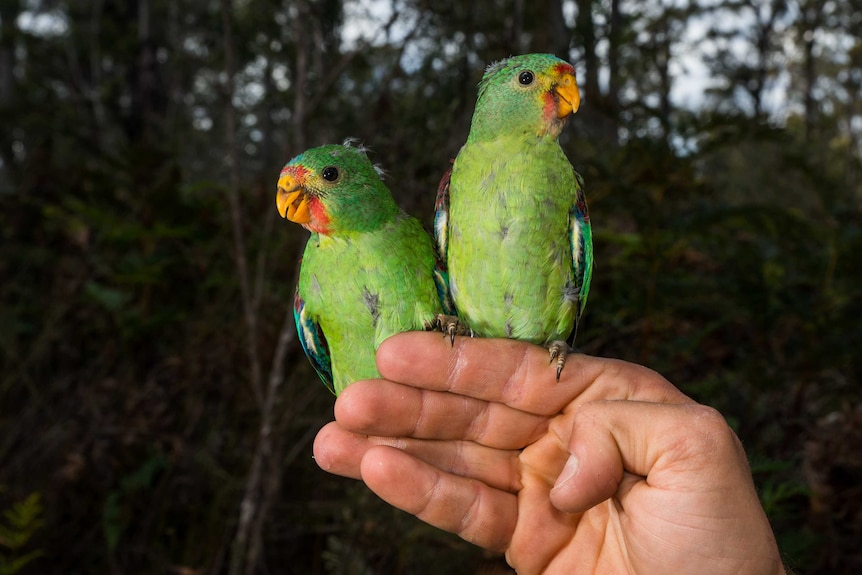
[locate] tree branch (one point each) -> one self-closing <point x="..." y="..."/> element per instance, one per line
<point x="247" y="298"/>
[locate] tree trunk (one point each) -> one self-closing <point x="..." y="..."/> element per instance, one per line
<point x="586" y="33"/>
<point x="663" y="59"/>
<point x="9" y="10"/>
<point x="614" y="40"/>
<point x="139" y="122"/>
<point x="561" y="36"/>
<point x="300" y="78"/>
<point x="812" y="12"/>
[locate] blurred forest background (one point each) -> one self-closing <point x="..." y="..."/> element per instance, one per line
<point x="156" y="411"/>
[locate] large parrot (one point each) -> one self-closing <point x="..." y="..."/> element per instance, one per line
<point x="511" y="217"/>
<point x="368" y="271"/>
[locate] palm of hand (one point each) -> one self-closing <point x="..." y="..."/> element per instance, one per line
<point x="645" y="526"/>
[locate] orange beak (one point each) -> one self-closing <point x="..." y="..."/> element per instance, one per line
<point x="292" y="201"/>
<point x="569" y="95"/>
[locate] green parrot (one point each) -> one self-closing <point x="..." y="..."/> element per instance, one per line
<point x="511" y="217"/>
<point x="369" y="270"/>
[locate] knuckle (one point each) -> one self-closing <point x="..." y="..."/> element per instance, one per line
<point x="711" y="433"/>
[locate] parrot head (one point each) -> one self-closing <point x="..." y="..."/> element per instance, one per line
<point x="334" y="188"/>
<point x="529" y="94"/>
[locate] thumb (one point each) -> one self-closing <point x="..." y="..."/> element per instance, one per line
<point x="617" y="445"/>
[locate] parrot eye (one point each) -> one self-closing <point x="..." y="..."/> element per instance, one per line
<point x="526" y="78"/>
<point x="330" y="174"/>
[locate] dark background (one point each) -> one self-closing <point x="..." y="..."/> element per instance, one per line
<point x="151" y="383"/>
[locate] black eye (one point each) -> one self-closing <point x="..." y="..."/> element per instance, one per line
<point x="330" y="174"/>
<point x="526" y="78"/>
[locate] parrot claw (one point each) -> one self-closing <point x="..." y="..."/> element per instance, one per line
<point x="559" y="350"/>
<point x="450" y="325"/>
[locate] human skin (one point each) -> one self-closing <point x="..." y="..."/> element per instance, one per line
<point x="611" y="470"/>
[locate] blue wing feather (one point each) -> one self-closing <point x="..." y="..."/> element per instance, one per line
<point x="581" y="239"/>
<point x="441" y="216"/>
<point x="441" y="240"/>
<point x="441" y="282"/>
<point x="313" y="341"/>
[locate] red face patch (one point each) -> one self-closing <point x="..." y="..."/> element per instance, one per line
<point x="549" y="106"/>
<point x="564" y="68"/>
<point x="319" y="223"/>
<point x="295" y="170"/>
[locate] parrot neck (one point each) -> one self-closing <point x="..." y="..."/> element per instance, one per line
<point x="362" y="217"/>
<point x="344" y="236"/>
<point x="486" y="127"/>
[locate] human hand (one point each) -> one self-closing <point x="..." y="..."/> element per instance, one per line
<point x="611" y="470"/>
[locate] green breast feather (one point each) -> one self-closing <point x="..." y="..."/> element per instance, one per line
<point x="509" y="257"/>
<point x="363" y="289"/>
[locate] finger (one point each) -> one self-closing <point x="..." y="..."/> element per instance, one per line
<point x="545" y="535"/>
<point x="471" y="509"/>
<point x="380" y="407"/>
<point x="515" y="373"/>
<point x="340" y="452"/>
<point x="670" y="447"/>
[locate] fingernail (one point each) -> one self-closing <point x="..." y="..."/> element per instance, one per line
<point x="569" y="471"/>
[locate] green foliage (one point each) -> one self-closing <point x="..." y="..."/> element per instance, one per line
<point x="784" y="496"/>
<point x="20" y="523"/>
<point x="114" y="520"/>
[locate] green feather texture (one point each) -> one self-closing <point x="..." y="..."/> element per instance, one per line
<point x="512" y="221"/>
<point x="368" y="269"/>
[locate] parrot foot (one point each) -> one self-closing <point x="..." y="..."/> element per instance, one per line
<point x="559" y="350"/>
<point x="450" y="325"/>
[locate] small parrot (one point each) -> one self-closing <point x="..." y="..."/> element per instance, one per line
<point x="369" y="270"/>
<point x="511" y="218"/>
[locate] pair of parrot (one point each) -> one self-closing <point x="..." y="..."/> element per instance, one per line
<point x="513" y="253"/>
